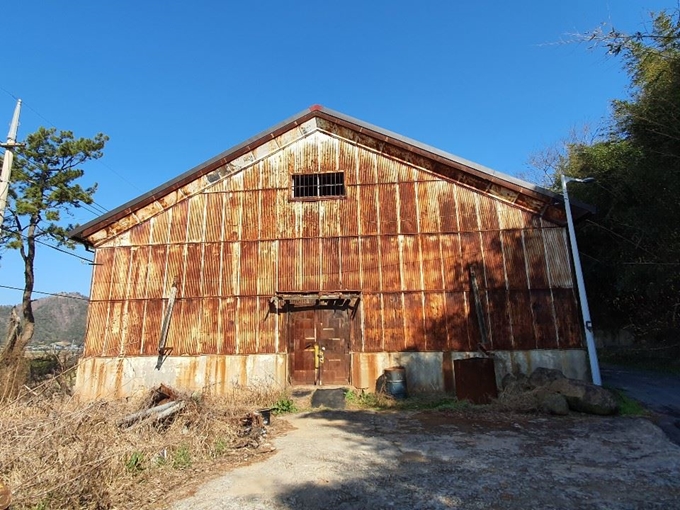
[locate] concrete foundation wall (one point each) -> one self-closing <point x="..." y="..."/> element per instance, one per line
<point x="111" y="378"/>
<point x="218" y="374"/>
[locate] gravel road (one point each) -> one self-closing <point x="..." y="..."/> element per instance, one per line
<point x="430" y="460"/>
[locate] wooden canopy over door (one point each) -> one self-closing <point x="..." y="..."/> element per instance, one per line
<point x="325" y="322"/>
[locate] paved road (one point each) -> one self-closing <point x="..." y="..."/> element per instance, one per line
<point x="658" y="392"/>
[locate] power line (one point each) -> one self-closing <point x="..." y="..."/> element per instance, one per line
<point x="45" y="293"/>
<point x="52" y="246"/>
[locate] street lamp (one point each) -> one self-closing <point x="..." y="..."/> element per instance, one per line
<point x="585" y="311"/>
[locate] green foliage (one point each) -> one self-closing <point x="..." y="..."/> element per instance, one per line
<point x="181" y="459"/>
<point x="220" y="447"/>
<point x="628" y="406"/>
<point x="284" y="405"/>
<point x="135" y="463"/>
<point x="631" y="248"/>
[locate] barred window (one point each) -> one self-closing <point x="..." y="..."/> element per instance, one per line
<point x="319" y="185"/>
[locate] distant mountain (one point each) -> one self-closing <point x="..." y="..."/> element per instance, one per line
<point x="59" y="318"/>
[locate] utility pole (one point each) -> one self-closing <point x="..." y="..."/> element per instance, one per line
<point x="9" y="146"/>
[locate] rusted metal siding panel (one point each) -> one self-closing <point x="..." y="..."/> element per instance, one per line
<point x="435" y="321"/>
<point x="134" y="328"/>
<point x="515" y="263"/>
<point x="175" y="268"/>
<point x="557" y="256"/>
<point x="457" y="321"/>
<point x="194" y="270"/>
<point x="309" y="220"/>
<point x="368" y="219"/>
<point x="471" y="248"/>
<point x="348" y="161"/>
<point x="120" y="273"/>
<point x="250" y="218"/>
<point x="139" y="267"/>
<point x="544" y="319"/>
<point x="266" y="272"/>
<point x="510" y="217"/>
<point x="468" y="219"/>
<point x="288" y="264"/>
<point x="307" y="154"/>
<point x="152" y="326"/>
<point x="267" y="342"/>
<point x="522" y="320"/>
<point x="428" y="205"/>
<point x="370" y="264"/>
<point x="229" y="272"/>
<point x="228" y="325"/>
<point x="209" y="335"/>
<point x="178" y="222"/>
<point x="414" y="322"/>
<point x="408" y="208"/>
<point x="247" y="325"/>
<point x="141" y="234"/>
<point x="452" y="262"/>
<point x="249" y="268"/>
<point x="155" y="282"/>
<point x="348" y="212"/>
<point x="499" y="319"/>
<point x="389" y="264"/>
<point x="568" y="324"/>
<point x="494" y="268"/>
<point x="269" y="216"/>
<point x="351" y="263"/>
<point x="311" y="265"/>
<point x="329" y="220"/>
<point x="411" y="263"/>
<point x="393" y="321"/>
<point x="232" y="216"/>
<point x="212" y="261"/>
<point x="386" y="170"/>
<point x="432" y="262"/>
<point x="328" y="153"/>
<point x="112" y="335"/>
<point x="330" y="264"/>
<point x="367" y="168"/>
<point x="387" y="202"/>
<point x="196" y="218"/>
<point x="488" y="214"/>
<point x="373" y="327"/>
<point x="448" y="215"/>
<point x="535" y="258"/>
<point x="101" y="279"/>
<point x="97" y="315"/>
<point x="160" y="228"/>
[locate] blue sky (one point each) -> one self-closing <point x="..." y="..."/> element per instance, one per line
<point x="175" y="83"/>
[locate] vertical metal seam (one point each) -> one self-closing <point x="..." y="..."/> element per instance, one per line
<point x="526" y="270"/>
<point x="126" y="308"/>
<point x="484" y="269"/>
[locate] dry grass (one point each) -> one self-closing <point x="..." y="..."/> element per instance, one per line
<point x="58" y="454"/>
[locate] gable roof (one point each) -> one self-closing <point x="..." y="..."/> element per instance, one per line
<point x="475" y="170"/>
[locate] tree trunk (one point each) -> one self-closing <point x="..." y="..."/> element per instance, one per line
<point x="13" y="368"/>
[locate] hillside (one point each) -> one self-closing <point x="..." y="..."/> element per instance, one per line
<point x="57" y="319"/>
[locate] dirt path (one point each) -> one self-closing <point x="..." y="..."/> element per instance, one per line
<point x="357" y="459"/>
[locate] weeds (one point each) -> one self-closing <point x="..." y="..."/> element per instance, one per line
<point x="284" y="405"/>
<point x="383" y="401"/>
<point x="58" y="454"/>
<point x="628" y="406"/>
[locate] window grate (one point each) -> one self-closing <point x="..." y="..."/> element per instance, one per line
<point x="319" y="185"/>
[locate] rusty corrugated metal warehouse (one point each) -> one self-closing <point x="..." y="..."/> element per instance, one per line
<point x="328" y="230"/>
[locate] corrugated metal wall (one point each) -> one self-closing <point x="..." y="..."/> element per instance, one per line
<point x="402" y="236"/>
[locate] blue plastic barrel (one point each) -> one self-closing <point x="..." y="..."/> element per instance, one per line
<point x="395" y="382"/>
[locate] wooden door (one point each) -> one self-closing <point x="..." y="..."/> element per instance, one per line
<point x="327" y="324"/>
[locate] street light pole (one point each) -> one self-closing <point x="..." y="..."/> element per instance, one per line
<point x="585" y="311"/>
